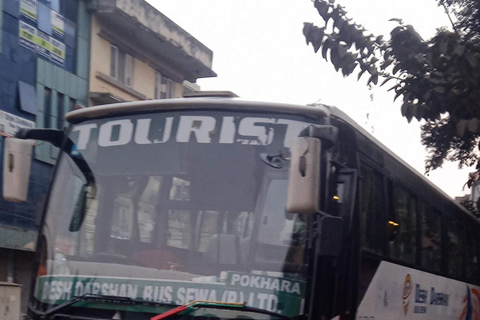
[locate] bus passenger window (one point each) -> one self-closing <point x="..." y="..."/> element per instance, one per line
<point x="122" y="220"/>
<point x="179" y="229"/>
<point x="455" y="248"/>
<point x="207" y="226"/>
<point x="149" y="199"/>
<point x="372" y="207"/>
<point x="404" y="217"/>
<point x="431" y="238"/>
<point x="472" y="266"/>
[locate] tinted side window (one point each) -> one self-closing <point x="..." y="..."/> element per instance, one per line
<point x="431" y="238"/>
<point x="403" y="219"/>
<point x="472" y="265"/>
<point x="372" y="219"/>
<point x="456" y="254"/>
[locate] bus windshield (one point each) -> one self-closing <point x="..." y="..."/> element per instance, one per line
<point x="180" y="206"/>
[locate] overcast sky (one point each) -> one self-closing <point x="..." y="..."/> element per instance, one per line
<point x="259" y="52"/>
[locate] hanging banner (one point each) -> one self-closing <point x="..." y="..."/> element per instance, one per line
<point x="57" y="51"/>
<point x="58" y="24"/>
<point x="28" y="9"/>
<point x="27" y="35"/>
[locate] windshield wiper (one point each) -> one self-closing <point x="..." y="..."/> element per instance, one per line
<point x="217" y="305"/>
<point x="97" y="297"/>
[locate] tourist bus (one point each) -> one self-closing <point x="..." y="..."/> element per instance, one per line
<point x="218" y="208"/>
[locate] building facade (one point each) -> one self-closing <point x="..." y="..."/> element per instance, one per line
<point x="55" y="54"/>
<point x="44" y="51"/>
<point x="138" y="53"/>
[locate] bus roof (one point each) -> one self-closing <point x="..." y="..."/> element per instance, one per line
<point x="137" y="107"/>
<point x="361" y="131"/>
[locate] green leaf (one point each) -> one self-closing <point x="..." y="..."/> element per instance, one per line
<point x="373" y="78"/>
<point x="427" y="95"/>
<point x="400" y="21"/>
<point x="396" y="31"/>
<point x="404" y="108"/>
<point x="417" y="111"/>
<point x="443" y="46"/>
<point x="372" y="70"/>
<point x="342" y="50"/>
<point x="396" y="68"/>
<point x="459" y="49"/>
<point x="385" y="81"/>
<point x="439" y="89"/>
<point x="326" y="46"/>
<point x="384" y="64"/>
<point x="360" y="74"/>
<point x="335" y="58"/>
<point x="307" y="27"/>
<point x="317" y="38"/>
<point x="395" y="87"/>
<point x="349" y="69"/>
<point x="461" y="128"/>
<point x="473" y="125"/>
<point x="398" y="94"/>
<point x="418" y="57"/>
<point x="472" y="59"/>
<point x="339" y="23"/>
<point x="322" y="9"/>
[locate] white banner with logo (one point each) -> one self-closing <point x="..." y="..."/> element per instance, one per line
<point x="398" y="292"/>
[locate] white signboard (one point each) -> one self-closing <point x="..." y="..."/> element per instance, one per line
<point x="58" y="24"/>
<point x="398" y="292"/>
<point x="10" y="124"/>
<point x="35" y="40"/>
<point x="27" y="35"/>
<point x="28" y="8"/>
<point x="57" y="51"/>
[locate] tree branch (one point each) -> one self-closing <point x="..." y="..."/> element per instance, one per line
<point x="449" y="17"/>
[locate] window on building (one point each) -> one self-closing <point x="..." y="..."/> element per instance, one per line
<point x="60" y="111"/>
<point x="27" y="97"/>
<point x="128" y="73"/>
<point x="402" y="223"/>
<point x="71" y="104"/>
<point x="164" y="87"/>
<point x="113" y="62"/>
<point x="47" y="105"/>
<point x="121" y="66"/>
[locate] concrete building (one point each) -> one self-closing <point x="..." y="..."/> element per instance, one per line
<point x="43" y="74"/>
<point x="55" y="54"/>
<point x="138" y="53"/>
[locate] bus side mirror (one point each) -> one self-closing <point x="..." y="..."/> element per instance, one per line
<point x="304" y="175"/>
<point x="16" y="169"/>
